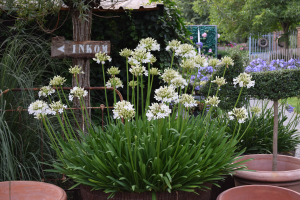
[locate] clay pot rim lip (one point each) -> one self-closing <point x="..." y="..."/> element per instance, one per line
<point x="256" y="186"/>
<point x="268" y="176"/>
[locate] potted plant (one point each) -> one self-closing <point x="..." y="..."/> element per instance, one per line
<point x="145" y="151"/>
<point x="273" y="169"/>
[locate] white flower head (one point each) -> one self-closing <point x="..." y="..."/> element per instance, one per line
<point x="57" y="81"/>
<point x="219" y="81"/>
<point x="149" y="44"/>
<point x="101" y="58"/>
<point x="188" y="64"/>
<point x="57" y="107"/>
<point x="140" y="56"/>
<point x="169" y="75"/>
<point x="39" y="109"/>
<point x="137" y="70"/>
<point x="77" y="92"/>
<point x="178" y="82"/>
<point x="113" y="71"/>
<point x="154" y="71"/>
<point x="75" y="70"/>
<point x="255" y="109"/>
<point x="126" y="52"/>
<point x="45" y="91"/>
<point x="244" y="80"/>
<point x="153" y="59"/>
<point x="214" y="62"/>
<point x="173" y="45"/>
<point x="227" y="61"/>
<point x="166" y="94"/>
<point x="187" y="100"/>
<point x="158" y="111"/>
<point x="213" y="101"/>
<point x="123" y="109"/>
<point x="238" y="113"/>
<point x="133" y="84"/>
<point x="200" y="61"/>
<point x="114" y="82"/>
<point x="186" y="50"/>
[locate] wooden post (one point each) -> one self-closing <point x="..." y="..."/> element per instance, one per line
<point x="275" y="136"/>
<point x="298" y="42"/>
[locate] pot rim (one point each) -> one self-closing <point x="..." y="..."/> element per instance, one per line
<point x="269" y="176"/>
<point x="271" y="187"/>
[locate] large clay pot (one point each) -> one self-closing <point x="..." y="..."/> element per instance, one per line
<point x="30" y="190"/>
<point x="259" y="192"/>
<point x="87" y="194"/>
<point x="287" y="176"/>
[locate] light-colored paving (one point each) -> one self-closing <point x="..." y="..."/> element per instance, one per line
<point x="286" y="113"/>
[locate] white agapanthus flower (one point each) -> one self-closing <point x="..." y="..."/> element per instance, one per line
<point x="57" y="107"/>
<point x="75" y="70"/>
<point x="187" y="100"/>
<point x="125" y="52"/>
<point x="214" y="62"/>
<point x="114" y="82"/>
<point x="188" y="64"/>
<point x="244" y="80"/>
<point x="173" y="45"/>
<point x="137" y="70"/>
<point x="178" y="82"/>
<point x="123" y="109"/>
<point x="77" y="92"/>
<point x="149" y="44"/>
<point x="169" y="75"/>
<point x="57" y="81"/>
<point x="113" y="71"/>
<point x="40" y="108"/>
<point x="219" y="81"/>
<point x="255" y="109"/>
<point x="158" y="111"/>
<point x="45" y="91"/>
<point x="213" y="101"/>
<point x="140" y="56"/>
<point x="238" y="113"/>
<point x="154" y="71"/>
<point x="101" y="58"/>
<point x="186" y="50"/>
<point x="200" y="61"/>
<point x="132" y="84"/>
<point x="166" y="94"/>
<point x="227" y="61"/>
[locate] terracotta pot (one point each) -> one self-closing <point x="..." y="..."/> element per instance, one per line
<point x="87" y="194"/>
<point x="288" y="174"/>
<point x="30" y="190"/>
<point x="259" y="192"/>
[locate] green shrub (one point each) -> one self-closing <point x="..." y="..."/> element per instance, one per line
<point x="223" y="53"/>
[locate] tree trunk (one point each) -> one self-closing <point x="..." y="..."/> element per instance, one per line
<point x="275" y="136"/>
<point x="82" y="32"/>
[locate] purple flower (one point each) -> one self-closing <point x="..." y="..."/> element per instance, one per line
<point x="205" y="78"/>
<point x="199" y="44"/>
<point x="197" y="88"/>
<point x="290" y="108"/>
<point x="193" y="77"/>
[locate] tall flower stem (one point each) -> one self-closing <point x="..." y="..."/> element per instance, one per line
<point x="142" y="92"/>
<point x="246" y="128"/>
<point x="189" y="75"/>
<point x="148" y="88"/>
<point x="127" y="79"/>
<point x="238" y="97"/>
<point x="137" y="99"/>
<point x="128" y="135"/>
<point x="133" y="94"/>
<point x="172" y="58"/>
<point x="105" y="93"/>
<point x="225" y="70"/>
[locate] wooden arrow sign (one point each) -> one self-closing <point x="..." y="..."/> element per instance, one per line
<point x="60" y="48"/>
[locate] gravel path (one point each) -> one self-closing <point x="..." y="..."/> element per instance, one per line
<point x="289" y="116"/>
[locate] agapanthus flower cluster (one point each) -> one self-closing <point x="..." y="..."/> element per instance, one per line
<point x="227" y="61"/>
<point x="114" y="82"/>
<point x="200" y="61"/>
<point x="101" y="58"/>
<point x="255" y="109"/>
<point x="40" y="109"/>
<point x="173" y="45"/>
<point x="244" y="80"/>
<point x="187" y="100"/>
<point x="290" y="108"/>
<point x="149" y="44"/>
<point x="75" y="70"/>
<point x="154" y="71"/>
<point x="123" y="109"/>
<point x="188" y="64"/>
<point x="214" y="62"/>
<point x="219" y="81"/>
<point x="140" y="56"/>
<point x="166" y="94"/>
<point x="213" y="101"/>
<point x="178" y="81"/>
<point x="158" y="111"/>
<point x="186" y="50"/>
<point x="260" y="65"/>
<point x="133" y="84"/>
<point x="137" y="70"/>
<point x="153" y="59"/>
<point x="239" y="114"/>
<point x="113" y="71"/>
<point x="125" y="52"/>
<point x="57" y="81"/>
<point x="169" y="75"/>
<point x="77" y="92"/>
<point x="57" y="107"/>
<point x="45" y="91"/>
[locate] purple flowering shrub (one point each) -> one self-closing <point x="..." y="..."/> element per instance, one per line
<point x="260" y="65"/>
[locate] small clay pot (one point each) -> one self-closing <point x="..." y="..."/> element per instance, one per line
<point x="259" y="192"/>
<point x="30" y="190"/>
<point x="287" y="176"/>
